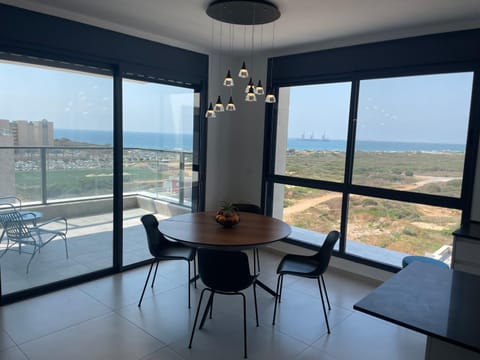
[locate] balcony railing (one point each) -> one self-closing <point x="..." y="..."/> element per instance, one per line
<point x="42" y="175"/>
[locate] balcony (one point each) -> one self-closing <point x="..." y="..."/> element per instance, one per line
<point x="77" y="183"/>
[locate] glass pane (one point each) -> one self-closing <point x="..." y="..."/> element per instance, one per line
<point x="386" y="230"/>
<point x="307" y="209"/>
<point x="157" y="158"/>
<point x="312" y="130"/>
<point x="411" y="133"/>
<point x="56" y="145"/>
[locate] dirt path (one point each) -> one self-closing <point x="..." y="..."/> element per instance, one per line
<point x="304" y="204"/>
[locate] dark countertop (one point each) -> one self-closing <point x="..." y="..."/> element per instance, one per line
<point x="469" y="230"/>
<point x="432" y="300"/>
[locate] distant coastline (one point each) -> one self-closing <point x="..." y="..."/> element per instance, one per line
<point x="166" y="141"/>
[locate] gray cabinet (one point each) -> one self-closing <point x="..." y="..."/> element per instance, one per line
<point x="466" y="248"/>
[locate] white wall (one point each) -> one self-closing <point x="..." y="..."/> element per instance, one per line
<point x="235" y="140"/>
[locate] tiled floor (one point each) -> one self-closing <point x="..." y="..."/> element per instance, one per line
<point x="101" y="320"/>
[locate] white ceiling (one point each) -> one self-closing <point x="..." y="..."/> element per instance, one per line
<point x="303" y="24"/>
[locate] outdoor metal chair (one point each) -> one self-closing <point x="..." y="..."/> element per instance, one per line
<point x="7" y="203"/>
<point x="20" y="232"/>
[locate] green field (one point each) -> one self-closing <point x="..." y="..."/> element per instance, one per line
<point x="404" y="227"/>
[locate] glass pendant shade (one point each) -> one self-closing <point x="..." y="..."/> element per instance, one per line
<point x="270" y="98"/>
<point x="250" y="97"/>
<point x="218" y="106"/>
<point x="259" y="89"/>
<point x="230" y="106"/>
<point x="243" y="73"/>
<point x="210" y="112"/>
<point x="249" y="86"/>
<point x="228" y="81"/>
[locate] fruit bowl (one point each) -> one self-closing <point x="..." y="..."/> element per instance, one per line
<point x="227" y="216"/>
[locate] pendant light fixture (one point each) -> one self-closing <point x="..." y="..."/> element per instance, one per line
<point x="243" y="72"/>
<point x="230" y="105"/>
<point x="210" y="112"/>
<point x="248" y="13"/>
<point x="270" y="97"/>
<point x="219" y="105"/>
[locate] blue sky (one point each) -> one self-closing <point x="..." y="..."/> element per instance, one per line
<point x="74" y="100"/>
<point x="430" y="108"/>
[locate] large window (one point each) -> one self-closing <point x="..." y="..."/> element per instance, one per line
<point x="56" y="136"/>
<point x="411" y="133"/>
<point x="387" y="171"/>
<point x="157" y="153"/>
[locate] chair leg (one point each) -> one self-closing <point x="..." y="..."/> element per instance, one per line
<point x="66" y="248"/>
<point x="323" y="306"/>
<point x="195" y="271"/>
<point x="277" y="299"/>
<point x="155" y="274"/>
<point x="31" y="258"/>
<point x="258" y="259"/>
<point x="254" y="263"/>
<point x="196" y="317"/>
<point x="145" y="286"/>
<point x="326" y="294"/>
<point x="208" y="309"/>
<point x="255" y="301"/>
<point x="281" y="287"/>
<point x="188" y="283"/>
<point x="244" y="326"/>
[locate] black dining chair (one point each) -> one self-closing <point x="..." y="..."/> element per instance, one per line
<point x="254" y="209"/>
<point x="313" y="266"/>
<point x="163" y="249"/>
<point x="227" y="273"/>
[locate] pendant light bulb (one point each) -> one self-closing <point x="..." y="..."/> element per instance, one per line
<point x="218" y="105"/>
<point x="249" y="86"/>
<point x="270" y="98"/>
<point x="259" y="89"/>
<point x="228" y="81"/>
<point x="251" y="97"/>
<point x="243" y="73"/>
<point x="230" y="106"/>
<point x="210" y="112"/>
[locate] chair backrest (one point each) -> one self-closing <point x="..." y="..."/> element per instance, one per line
<point x="156" y="240"/>
<point x="10" y="201"/>
<point x="227" y="271"/>
<point x="15" y="227"/>
<point x="251" y="208"/>
<point x="325" y="253"/>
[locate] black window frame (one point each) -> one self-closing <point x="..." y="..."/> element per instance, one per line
<point x="291" y="72"/>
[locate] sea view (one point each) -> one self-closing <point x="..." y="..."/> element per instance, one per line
<point x="164" y="141"/>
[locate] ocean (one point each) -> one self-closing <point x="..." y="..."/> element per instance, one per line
<point x="165" y="141"/>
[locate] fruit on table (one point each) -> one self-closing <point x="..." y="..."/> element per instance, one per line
<point x="227" y="216"/>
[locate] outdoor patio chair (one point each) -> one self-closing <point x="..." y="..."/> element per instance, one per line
<point x="312" y="267"/>
<point x="7" y="203"/>
<point x="22" y="232"/>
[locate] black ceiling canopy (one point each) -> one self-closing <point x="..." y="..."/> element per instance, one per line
<point x="243" y="12"/>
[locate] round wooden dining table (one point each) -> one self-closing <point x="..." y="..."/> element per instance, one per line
<point x="202" y="231"/>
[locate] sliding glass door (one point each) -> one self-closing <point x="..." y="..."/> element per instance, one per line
<point x="158" y="174"/>
<point x="56" y="136"/>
